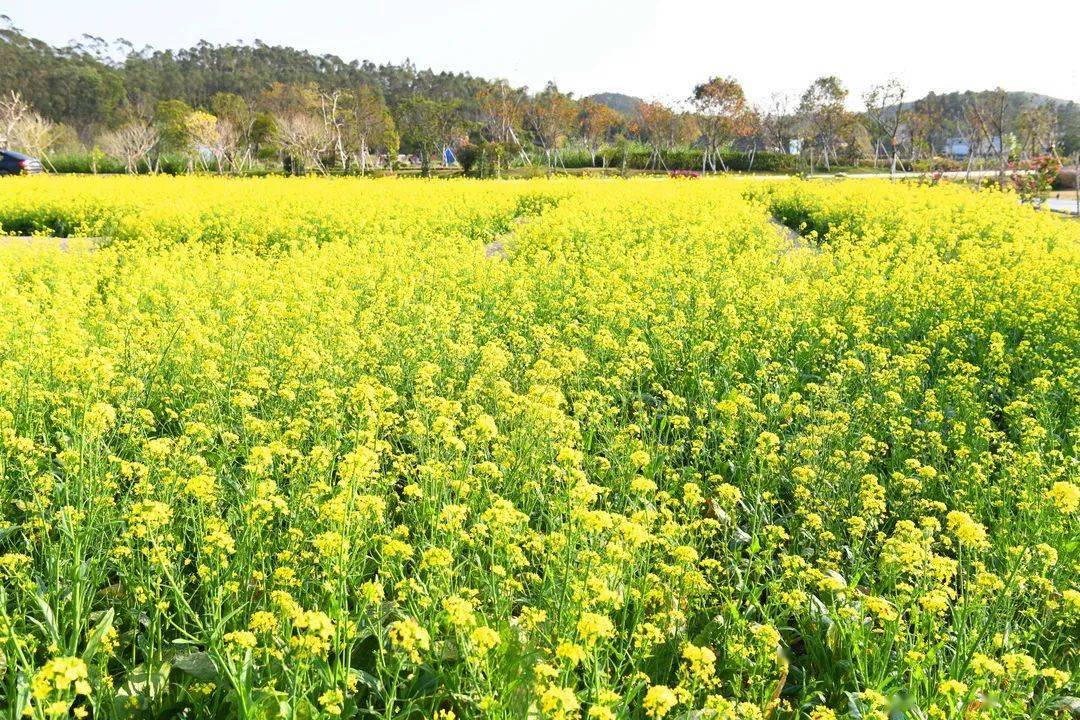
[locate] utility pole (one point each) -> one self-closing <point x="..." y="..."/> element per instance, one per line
<point x="1076" y="183"/>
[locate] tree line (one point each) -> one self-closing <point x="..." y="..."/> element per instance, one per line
<point x="235" y="108"/>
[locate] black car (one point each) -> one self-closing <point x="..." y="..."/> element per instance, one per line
<point x="14" y="163"/>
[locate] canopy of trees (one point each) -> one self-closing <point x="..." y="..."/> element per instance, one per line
<point x="230" y="107"/>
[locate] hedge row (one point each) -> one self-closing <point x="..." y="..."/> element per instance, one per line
<point x="636" y="158"/>
<point x="678" y="159"/>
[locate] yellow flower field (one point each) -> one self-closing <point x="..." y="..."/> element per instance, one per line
<point x="546" y="449"/>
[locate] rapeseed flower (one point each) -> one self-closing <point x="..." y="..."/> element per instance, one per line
<point x="303" y="436"/>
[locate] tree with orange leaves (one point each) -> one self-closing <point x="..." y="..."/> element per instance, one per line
<point x="551" y="115"/>
<point x="596" y="123"/>
<point x="724" y="116"/>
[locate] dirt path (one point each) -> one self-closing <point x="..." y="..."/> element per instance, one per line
<point x="795" y="241"/>
<point x="63" y="244"/>
<point x="497" y="248"/>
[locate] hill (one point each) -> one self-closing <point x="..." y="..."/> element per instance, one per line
<point x="953" y="102"/>
<point x="624" y="104"/>
<point x="84" y="86"/>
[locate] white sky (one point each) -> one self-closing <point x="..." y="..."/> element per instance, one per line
<point x="649" y="48"/>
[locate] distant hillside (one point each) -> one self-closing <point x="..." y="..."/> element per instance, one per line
<point x="626" y="104"/>
<point x="953" y="102"/>
<point x="1038" y="99"/>
<point x="86" y="86"/>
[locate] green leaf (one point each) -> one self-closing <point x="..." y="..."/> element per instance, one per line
<point x="103" y="626"/>
<point x="198" y="665"/>
<point x="48" y="619"/>
<point x="139" y="687"/>
<point x="854" y="709"/>
<point x="270" y="704"/>
<point x="833" y="638"/>
<point x="21" y="702"/>
<point x="367" y="680"/>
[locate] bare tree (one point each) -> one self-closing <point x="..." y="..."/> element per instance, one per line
<point x="297" y="123"/>
<point x="12" y="111"/>
<point x="236" y="122"/>
<point x="33" y="135"/>
<point x="215" y="136"/>
<point x="969" y="130"/>
<point x="501" y="111"/>
<point x="131" y="143"/>
<point x="25" y="130"/>
<point x="989" y="115"/>
<point x="227" y="148"/>
<point x="778" y="123"/>
<point x="304" y="138"/>
<point x="334" y="122"/>
<point x="885" y="111"/>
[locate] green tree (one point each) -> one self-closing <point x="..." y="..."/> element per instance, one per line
<point x="261" y="137"/>
<point x="1068" y="141"/>
<point x="369" y="125"/>
<point x="824" y="116"/>
<point x="170" y="121"/>
<point x="421" y="120"/>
